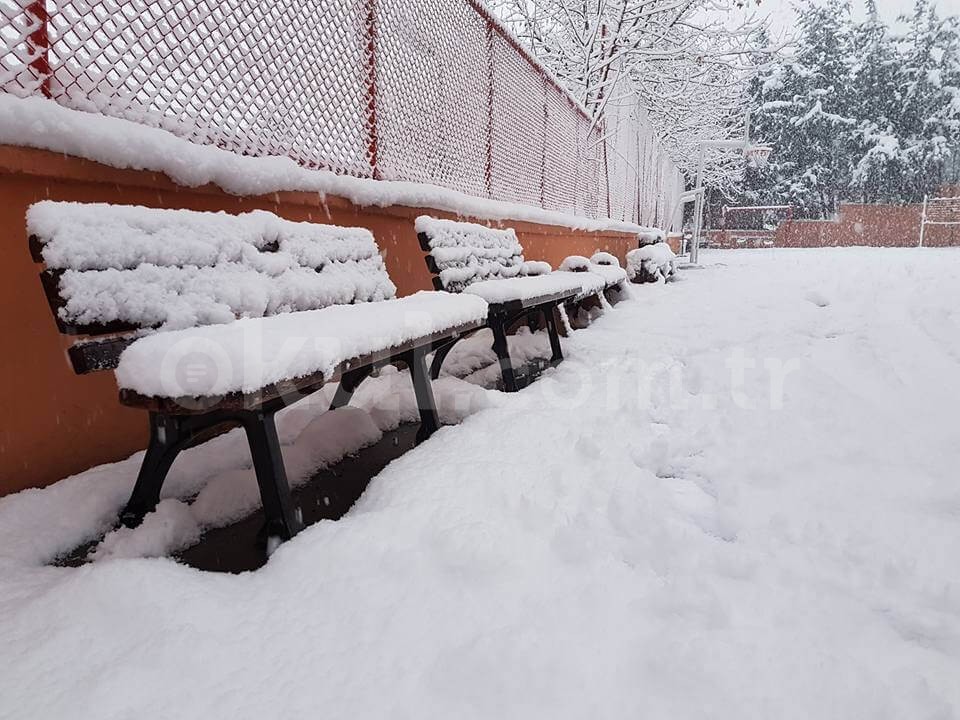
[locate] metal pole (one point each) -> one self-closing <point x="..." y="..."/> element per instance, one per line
<point x="697" y="211"/>
<point x="923" y="220"/>
<point x="698" y="207"/>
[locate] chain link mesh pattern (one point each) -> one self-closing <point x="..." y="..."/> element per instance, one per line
<point x="432" y="91"/>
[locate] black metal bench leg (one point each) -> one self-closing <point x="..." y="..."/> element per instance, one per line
<point x="550" y="317"/>
<point x="429" y="418"/>
<point x="165" y="445"/>
<point x="283" y="519"/>
<point x="613" y="294"/>
<point x="499" y="327"/>
<point x="439" y="355"/>
<point x="348" y="385"/>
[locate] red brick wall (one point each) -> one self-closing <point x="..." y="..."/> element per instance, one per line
<point x="872" y="225"/>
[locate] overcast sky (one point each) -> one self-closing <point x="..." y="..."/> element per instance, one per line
<point x="781" y="12"/>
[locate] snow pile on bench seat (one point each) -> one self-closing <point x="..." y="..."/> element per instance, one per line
<point x="467" y="252"/>
<point x="181" y="268"/>
<point x="251" y="354"/>
<point x="526" y="288"/>
<point x="610" y="274"/>
<point x="589" y="283"/>
<point x="609" y="271"/>
<point x="651" y="262"/>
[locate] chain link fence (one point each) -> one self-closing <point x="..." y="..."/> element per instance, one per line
<point x="426" y="91"/>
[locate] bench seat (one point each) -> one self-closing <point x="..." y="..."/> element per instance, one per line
<point x="611" y="275"/>
<point x="529" y="290"/>
<point x="250" y="354"/>
<point x="589" y="283"/>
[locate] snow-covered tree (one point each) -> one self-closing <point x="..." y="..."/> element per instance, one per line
<point x="684" y="61"/>
<point x="877" y="103"/>
<point x="857" y="113"/>
<point x="929" y="121"/>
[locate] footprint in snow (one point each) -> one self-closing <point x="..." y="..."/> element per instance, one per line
<point x="817" y="298"/>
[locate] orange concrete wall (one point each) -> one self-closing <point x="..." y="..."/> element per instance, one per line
<point x="675" y="241"/>
<point x="56" y="423"/>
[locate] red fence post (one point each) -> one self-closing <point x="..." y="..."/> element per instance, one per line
<point x="606" y="166"/>
<point x="639" y="180"/>
<point x="488" y="169"/>
<point x="373" y="148"/>
<point x="543" y="162"/>
<point x="39" y="44"/>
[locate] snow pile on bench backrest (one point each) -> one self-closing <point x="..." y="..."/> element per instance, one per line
<point x="465" y="253"/>
<point x="651" y="262"/>
<point x="535" y="267"/>
<point x="180" y="268"/>
<point x="609" y="272"/>
<point x="651" y="236"/>
<point x="575" y="263"/>
<point x="605" y="258"/>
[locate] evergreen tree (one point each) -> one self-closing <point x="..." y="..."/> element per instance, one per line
<point x="928" y="119"/>
<point x="805" y="112"/>
<point x="877" y="99"/>
<point x="858" y="114"/>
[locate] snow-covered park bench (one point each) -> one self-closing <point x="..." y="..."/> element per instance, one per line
<point x="213" y="320"/>
<point x="651" y="263"/>
<point x="606" y="267"/>
<point x="473" y="259"/>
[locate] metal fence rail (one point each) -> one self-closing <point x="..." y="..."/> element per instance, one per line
<point x="429" y="91"/>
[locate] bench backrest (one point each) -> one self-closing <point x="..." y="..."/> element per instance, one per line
<point x="462" y="253"/>
<point x="122" y="270"/>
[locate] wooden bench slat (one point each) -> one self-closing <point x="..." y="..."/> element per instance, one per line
<point x="97" y="355"/>
<point x="50" y="281"/>
<point x="36" y="248"/>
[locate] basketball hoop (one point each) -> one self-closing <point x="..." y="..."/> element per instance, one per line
<point x="757" y="155"/>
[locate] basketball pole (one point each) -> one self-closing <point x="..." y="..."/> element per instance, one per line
<point x="923" y="220"/>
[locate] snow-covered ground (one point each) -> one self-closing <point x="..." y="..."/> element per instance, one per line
<point x="739" y="497"/>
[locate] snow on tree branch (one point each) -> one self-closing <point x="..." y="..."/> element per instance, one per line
<point x="687" y="63"/>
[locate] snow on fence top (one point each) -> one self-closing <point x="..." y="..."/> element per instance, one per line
<point x="435" y="92"/>
<point x="465" y="252"/>
<point x="180" y="268"/>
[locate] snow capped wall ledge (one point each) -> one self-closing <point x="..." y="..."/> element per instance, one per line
<point x="45" y="125"/>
